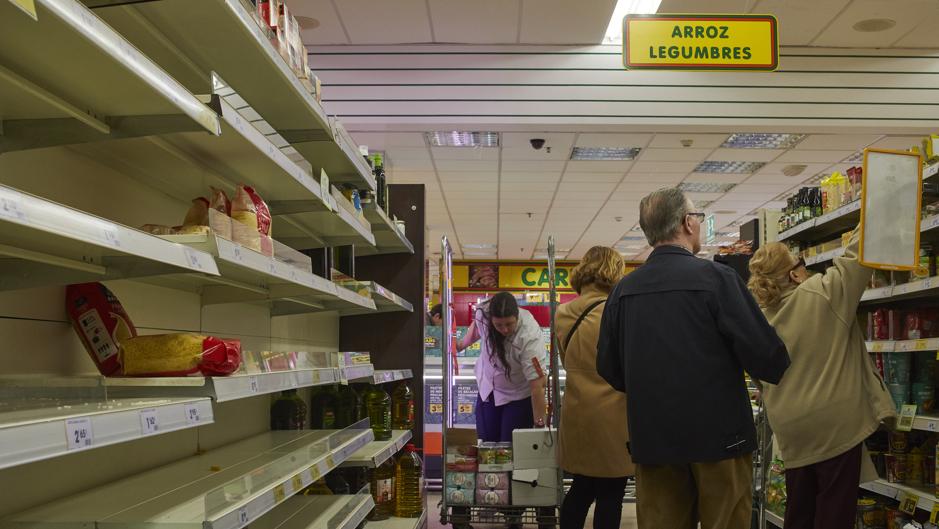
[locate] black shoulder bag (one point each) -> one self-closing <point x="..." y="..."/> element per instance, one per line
<point x="586" y="312"/>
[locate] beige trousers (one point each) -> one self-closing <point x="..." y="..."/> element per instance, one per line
<point x="718" y="495"/>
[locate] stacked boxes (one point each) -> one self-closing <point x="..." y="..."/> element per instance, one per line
<point x="535" y="475"/>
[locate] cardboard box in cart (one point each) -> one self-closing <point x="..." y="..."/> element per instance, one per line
<point x="534" y="449"/>
<point x="535" y="487"/>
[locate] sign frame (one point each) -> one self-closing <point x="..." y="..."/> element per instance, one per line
<point x="865" y="211"/>
<point x="686" y="17"/>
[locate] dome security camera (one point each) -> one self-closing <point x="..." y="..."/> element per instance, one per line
<point x="536" y="143"/>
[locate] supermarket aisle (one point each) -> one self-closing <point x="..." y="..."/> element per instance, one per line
<point x="433" y="516"/>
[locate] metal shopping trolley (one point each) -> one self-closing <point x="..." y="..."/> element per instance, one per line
<point x="543" y="516"/>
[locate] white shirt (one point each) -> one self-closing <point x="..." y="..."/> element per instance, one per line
<point x="524" y="351"/>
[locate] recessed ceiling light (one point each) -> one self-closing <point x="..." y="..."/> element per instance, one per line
<point x="706" y="187"/>
<point x="307" y="22"/>
<point x="794" y="170"/>
<point x="748" y="140"/>
<point x="479" y="246"/>
<point x="614" y="30"/>
<point x="873" y="25"/>
<point x="605" y="153"/>
<point x="463" y="139"/>
<point x="728" y="167"/>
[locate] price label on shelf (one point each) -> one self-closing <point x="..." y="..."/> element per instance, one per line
<point x="876" y="347"/>
<point x="934" y="514"/>
<point x="465" y="408"/>
<point x="253" y="384"/>
<point x="279" y="494"/>
<point x="908" y="503"/>
<point x="78" y="433"/>
<point x="324" y="189"/>
<point x="192" y="258"/>
<point x="907" y="416"/>
<point x="10" y="209"/>
<point x="322" y="468"/>
<point x="436" y="408"/>
<point x="236" y="253"/>
<point x="297" y="483"/>
<point x="921" y="345"/>
<point x="192" y="414"/>
<point x="112" y="238"/>
<point x="149" y="424"/>
<point x="243" y="516"/>
<point x="330" y="462"/>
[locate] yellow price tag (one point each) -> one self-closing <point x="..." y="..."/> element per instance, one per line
<point x="438" y="408"/>
<point x="908" y="503"/>
<point x="907" y="416"/>
<point x="877" y="347"/>
<point x="465" y="408"/>
<point x="330" y="462"/>
<point x="934" y="515"/>
<point x="297" y="483"/>
<point x="27" y="6"/>
<point x="921" y="345"/>
<point x="279" y="494"/>
<point x="315" y="472"/>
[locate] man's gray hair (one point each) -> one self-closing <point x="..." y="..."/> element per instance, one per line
<point x="661" y="214"/>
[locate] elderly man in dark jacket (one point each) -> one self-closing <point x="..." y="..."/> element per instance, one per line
<point x="676" y="336"/>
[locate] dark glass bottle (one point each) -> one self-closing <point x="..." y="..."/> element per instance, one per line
<point x="323" y="407"/>
<point x="288" y="412"/>
<point x="348" y="407"/>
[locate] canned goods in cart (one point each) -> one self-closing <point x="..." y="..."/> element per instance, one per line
<point x="870" y="515"/>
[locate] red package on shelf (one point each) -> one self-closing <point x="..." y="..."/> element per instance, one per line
<point x="101" y="323"/>
<point x="912" y="326"/>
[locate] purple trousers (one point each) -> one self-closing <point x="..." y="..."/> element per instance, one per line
<point x="824" y="495"/>
<point x="494" y="424"/>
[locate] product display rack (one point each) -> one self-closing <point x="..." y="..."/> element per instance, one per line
<point x="59" y="98"/>
<point x="193" y="39"/>
<point x="225" y="488"/>
<point x="356" y="373"/>
<point x="388" y="238"/>
<point x="340" y="511"/>
<point x="925" y="499"/>
<point x="33" y="430"/>
<point x="386" y="376"/>
<point x="375" y="453"/>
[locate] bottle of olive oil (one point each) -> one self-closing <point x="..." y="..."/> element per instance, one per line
<point x="378" y="406"/>
<point x="402" y="407"/>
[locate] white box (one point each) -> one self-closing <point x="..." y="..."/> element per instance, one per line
<point x="535" y="487"/>
<point x="534" y="448"/>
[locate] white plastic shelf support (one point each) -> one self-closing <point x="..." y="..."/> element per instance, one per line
<point x="34" y="429"/>
<point x="51" y="244"/>
<point x="375" y="453"/>
<point x="84" y="83"/>
<point x="194" y="39"/>
<point x="225" y="488"/>
<point x="384" y="300"/>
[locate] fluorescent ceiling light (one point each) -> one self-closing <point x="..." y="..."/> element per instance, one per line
<point x="605" y="153"/>
<point x="706" y="187"/>
<point x="746" y="140"/>
<point x="479" y="246"/>
<point x="728" y="167"/>
<point x="480" y="254"/>
<point x="614" y="31"/>
<point x="463" y="139"/>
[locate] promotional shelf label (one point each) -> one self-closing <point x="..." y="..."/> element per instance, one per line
<point x="700" y="42"/>
<point x="79" y="434"/>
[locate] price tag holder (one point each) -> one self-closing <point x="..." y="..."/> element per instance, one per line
<point x="193" y="259"/>
<point x="934" y="514"/>
<point x="908" y="503"/>
<point x="111" y="237"/>
<point x="279" y="494"/>
<point x="10" y="209"/>
<point x="192" y="414"/>
<point x="253" y="384"/>
<point x="921" y="345"/>
<point x="79" y="434"/>
<point x="324" y="189"/>
<point x="149" y="423"/>
<point x="297" y="483"/>
<point x="243" y="518"/>
<point x="907" y="415"/>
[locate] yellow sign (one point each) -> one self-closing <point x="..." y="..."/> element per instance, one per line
<point x="700" y="42"/>
<point x="907" y="417"/>
<point x="28" y="7"/>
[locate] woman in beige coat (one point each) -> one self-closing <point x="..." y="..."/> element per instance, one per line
<point x="593" y="415"/>
<point x="832" y="397"/>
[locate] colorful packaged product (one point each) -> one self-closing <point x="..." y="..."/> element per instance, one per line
<point x="101" y="323"/>
<point x="492" y="497"/>
<point x="179" y="354"/>
<point x="493" y="480"/>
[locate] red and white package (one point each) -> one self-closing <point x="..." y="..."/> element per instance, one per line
<point x="180" y="354"/>
<point x="264" y="221"/>
<point x="101" y="323"/>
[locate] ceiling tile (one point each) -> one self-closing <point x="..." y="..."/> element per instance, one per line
<point x="717" y="177"/>
<point x="586" y="187"/>
<point x="841" y="32"/>
<point x="800" y="20"/>
<point x="674" y="155"/>
<point x="329" y="30"/>
<point x="405" y="153"/>
<point x="899" y="143"/>
<point x="381" y="141"/>
<point x="613" y="139"/>
<point x="590" y="177"/>
<point x="600" y="166"/>
<point x="465" y="153"/>
<point x="663" y="179"/>
<point x="813" y="156"/>
<point x="565" y="22"/>
<point x="532" y="167"/>
<point x="468" y="176"/>
<point x="527" y="153"/>
<point x="477" y="22"/>
<point x="698" y="141"/>
<point x="831" y="142"/>
<point x="924" y="36"/>
<point x="663" y="167"/>
<point x="401" y="21"/>
<point x="467" y="165"/>
<point x="745" y="155"/>
<point x="558" y="141"/>
<point x="478" y="187"/>
<point x="412" y="165"/>
<point x="547" y="177"/>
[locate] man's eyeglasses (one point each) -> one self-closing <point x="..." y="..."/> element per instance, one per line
<point x="700" y="215"/>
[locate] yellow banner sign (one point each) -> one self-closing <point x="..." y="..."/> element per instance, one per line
<point x="509" y="276"/>
<point x="700" y="42"/>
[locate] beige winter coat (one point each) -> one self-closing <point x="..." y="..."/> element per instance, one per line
<point x="593" y="414"/>
<point x="832" y="396"/>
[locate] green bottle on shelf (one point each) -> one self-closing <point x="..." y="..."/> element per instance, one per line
<point x="348" y="407"/>
<point x="402" y="407"/>
<point x="323" y="407"/>
<point x="378" y="406"/>
<point x="288" y="412"/>
<point x="382" y="485"/>
<point x="409" y="484"/>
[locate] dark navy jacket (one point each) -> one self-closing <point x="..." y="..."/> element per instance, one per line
<point x="676" y="337"/>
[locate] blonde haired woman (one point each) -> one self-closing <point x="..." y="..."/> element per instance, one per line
<point x="593" y="414"/>
<point x="831" y="398"/>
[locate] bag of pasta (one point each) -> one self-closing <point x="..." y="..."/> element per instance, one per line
<point x="182" y="354"/>
<point x="244" y="213"/>
<point x="220" y="213"/>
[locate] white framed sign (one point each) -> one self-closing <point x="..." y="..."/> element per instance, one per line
<point x="890" y="209"/>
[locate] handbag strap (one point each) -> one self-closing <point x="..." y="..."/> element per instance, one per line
<point x="586" y="312"/>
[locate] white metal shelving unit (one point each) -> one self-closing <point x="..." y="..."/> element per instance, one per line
<point x="345" y="511"/>
<point x="375" y="453"/>
<point x="51" y="244"/>
<point x="225" y="488"/>
<point x="388" y="238"/>
<point x="356" y="373"/>
<point x="386" y="376"/>
<point x="193" y="39"/>
<point x="102" y="88"/>
<point x="925" y="499"/>
<point x="33" y="429"/>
